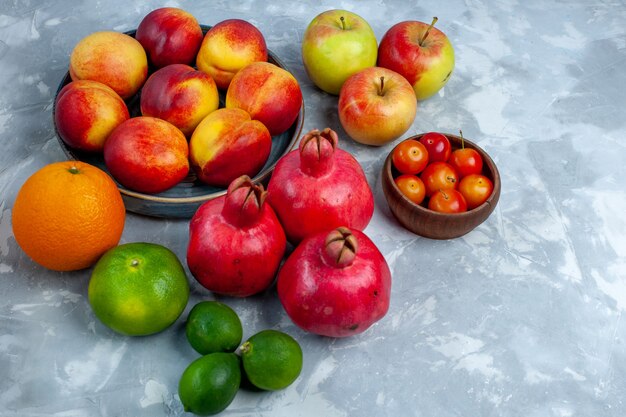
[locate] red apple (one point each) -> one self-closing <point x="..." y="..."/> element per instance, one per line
<point x="147" y="154"/>
<point x="181" y="95"/>
<point x="229" y="46"/>
<point x="86" y="112"/>
<point x="376" y="106"/>
<point x="170" y="36"/>
<point x="421" y="53"/>
<point x="269" y="93"/>
<point x="228" y="144"/>
<point x="112" y="58"/>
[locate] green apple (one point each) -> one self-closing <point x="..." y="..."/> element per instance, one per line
<point x="421" y="53"/>
<point x="337" y="44"/>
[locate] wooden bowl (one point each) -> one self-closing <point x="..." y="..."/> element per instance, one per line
<point x="182" y="200"/>
<point x="428" y="223"/>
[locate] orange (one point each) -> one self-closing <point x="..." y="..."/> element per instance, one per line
<point x="67" y="214"/>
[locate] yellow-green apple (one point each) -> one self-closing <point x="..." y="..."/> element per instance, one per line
<point x="269" y="93"/>
<point x="337" y="44"/>
<point x="376" y="106"/>
<point x="147" y="154"/>
<point x="229" y="46"/>
<point x="86" y="112"/>
<point x="112" y="58"/>
<point x="181" y="95"/>
<point x="170" y="36"/>
<point x="421" y="53"/>
<point x="228" y="144"/>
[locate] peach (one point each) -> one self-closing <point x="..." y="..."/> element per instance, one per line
<point x="147" y="154"/>
<point x="112" y="58"/>
<point x="269" y="93"/>
<point x="170" y="36"/>
<point x="228" y="47"/>
<point x="86" y="112"/>
<point x="228" y="144"/>
<point x="181" y="95"/>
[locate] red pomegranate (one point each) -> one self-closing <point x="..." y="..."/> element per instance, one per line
<point x="236" y="242"/>
<point x="335" y="283"/>
<point x="319" y="187"/>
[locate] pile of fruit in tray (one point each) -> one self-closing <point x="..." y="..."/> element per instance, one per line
<point x="335" y="282"/>
<point x="181" y="125"/>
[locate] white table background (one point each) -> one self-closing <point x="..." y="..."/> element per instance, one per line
<point x="521" y="317"/>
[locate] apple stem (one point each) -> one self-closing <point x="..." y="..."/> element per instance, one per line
<point x="462" y="139"/>
<point x="382" y="86"/>
<point x="428" y="30"/>
<point x="343" y="23"/>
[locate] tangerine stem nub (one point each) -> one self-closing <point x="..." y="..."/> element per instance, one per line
<point x="73" y="170"/>
<point x="245" y="347"/>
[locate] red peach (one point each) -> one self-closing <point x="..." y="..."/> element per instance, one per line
<point x="86" y="112"/>
<point x="147" y="154"/>
<point x="181" y="95"/>
<point x="269" y="93"/>
<point x="170" y="36"/>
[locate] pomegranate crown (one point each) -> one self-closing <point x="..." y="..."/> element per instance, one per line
<point x="340" y="247"/>
<point x="317" y="150"/>
<point x="244" y="201"/>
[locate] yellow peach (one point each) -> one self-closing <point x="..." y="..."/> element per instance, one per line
<point x="112" y="58"/>
<point x="228" y="144"/>
<point x="228" y="47"/>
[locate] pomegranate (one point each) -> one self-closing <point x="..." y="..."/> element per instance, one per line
<point x="319" y="187"/>
<point x="335" y="284"/>
<point x="236" y="242"/>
